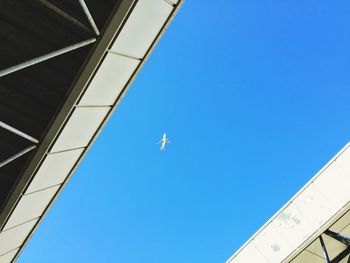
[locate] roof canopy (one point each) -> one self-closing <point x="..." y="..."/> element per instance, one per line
<point x="64" y="67"/>
<point x="317" y="216"/>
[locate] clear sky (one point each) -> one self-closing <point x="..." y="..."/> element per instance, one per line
<point x="254" y="95"/>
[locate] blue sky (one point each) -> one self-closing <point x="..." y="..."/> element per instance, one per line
<point x="254" y="95"/>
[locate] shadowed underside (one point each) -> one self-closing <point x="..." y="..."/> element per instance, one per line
<point x="30" y="97"/>
<point x="65" y="65"/>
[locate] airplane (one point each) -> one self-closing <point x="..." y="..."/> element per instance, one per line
<point x="163" y="141"/>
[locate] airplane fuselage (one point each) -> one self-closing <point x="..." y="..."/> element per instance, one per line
<point x="163" y="141"/>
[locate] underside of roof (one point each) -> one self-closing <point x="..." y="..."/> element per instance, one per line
<point x="332" y="246"/>
<point x="29" y="98"/>
<point x="313" y="226"/>
<point x="65" y="65"/>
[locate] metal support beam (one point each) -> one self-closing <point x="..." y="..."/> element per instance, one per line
<point x="42" y="58"/>
<point x="325" y="253"/>
<point x="18" y="132"/>
<point x="64" y="15"/>
<point x="89" y="17"/>
<point x="341" y="255"/>
<point x="14" y="157"/>
<point x="343" y="239"/>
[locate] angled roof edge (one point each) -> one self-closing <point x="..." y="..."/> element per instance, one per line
<point x="55" y="132"/>
<point x="339" y="213"/>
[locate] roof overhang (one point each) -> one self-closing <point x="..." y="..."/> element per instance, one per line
<point x="318" y="214"/>
<point x="116" y="56"/>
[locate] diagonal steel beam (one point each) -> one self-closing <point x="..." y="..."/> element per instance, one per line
<point x="343" y="239"/>
<point x="18" y="132"/>
<point x="17" y="155"/>
<point x="325" y="253"/>
<point x="42" y="58"/>
<point x="89" y="17"/>
<point x="63" y="14"/>
<point x="342" y="255"/>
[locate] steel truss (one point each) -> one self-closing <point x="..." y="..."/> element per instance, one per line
<point x="340" y="238"/>
<point x="45" y="57"/>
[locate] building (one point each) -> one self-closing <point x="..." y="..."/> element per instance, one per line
<point x="65" y="66"/>
<point x="313" y="227"/>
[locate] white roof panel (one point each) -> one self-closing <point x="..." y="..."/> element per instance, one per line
<point x="174" y="2"/>
<point x="292" y="225"/>
<point x="250" y="254"/>
<point x="80" y="128"/>
<point x="142" y="27"/>
<point x="110" y="80"/>
<point x="14" y="237"/>
<point x="54" y="170"/>
<point x="306" y="216"/>
<point x="31" y="206"/>
<point x="334" y="177"/>
<point x="343" y="161"/>
<point x="314" y="206"/>
<point x="271" y="244"/>
<point x="8" y="257"/>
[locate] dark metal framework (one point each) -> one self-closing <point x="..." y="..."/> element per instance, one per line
<point x="340" y="238"/>
<point x="43" y="47"/>
<point x="19" y="133"/>
<point x="86" y="53"/>
<point x="42" y="58"/>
